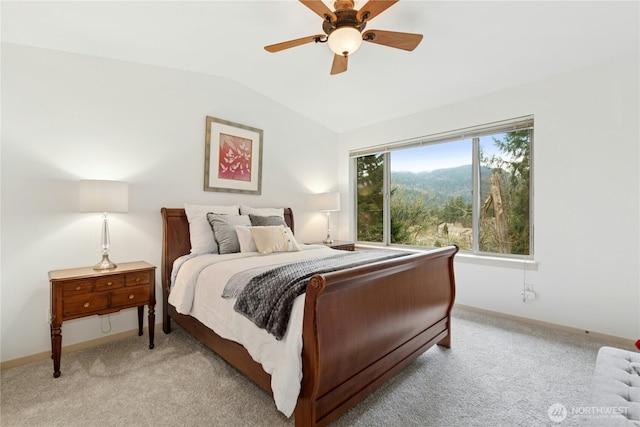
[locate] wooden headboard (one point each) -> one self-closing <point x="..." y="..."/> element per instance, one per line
<point x="175" y="239"/>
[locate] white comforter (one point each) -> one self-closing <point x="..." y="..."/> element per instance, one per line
<point x="197" y="292"/>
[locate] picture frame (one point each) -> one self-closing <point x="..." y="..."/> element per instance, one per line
<point x="232" y="157"/>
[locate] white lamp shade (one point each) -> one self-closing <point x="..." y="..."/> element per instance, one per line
<point x="345" y="40"/>
<point x="328" y="202"/>
<point x="104" y="196"/>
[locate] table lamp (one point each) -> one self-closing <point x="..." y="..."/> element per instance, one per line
<point x="328" y="202"/>
<point x="105" y="197"/>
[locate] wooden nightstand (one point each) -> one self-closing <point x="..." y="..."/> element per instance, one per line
<point x="343" y="245"/>
<point x="81" y="292"/>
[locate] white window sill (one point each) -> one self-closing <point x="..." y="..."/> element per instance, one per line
<point x="469" y="258"/>
<point x="494" y="261"/>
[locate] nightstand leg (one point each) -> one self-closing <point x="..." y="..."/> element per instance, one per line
<point x="140" y="317"/>
<point x="56" y="346"/>
<point x="152" y="324"/>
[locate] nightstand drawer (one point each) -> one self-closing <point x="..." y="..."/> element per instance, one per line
<point x="137" y="278"/>
<point x="84" y="304"/>
<point x="76" y="287"/>
<point x="106" y="283"/>
<point x="130" y="296"/>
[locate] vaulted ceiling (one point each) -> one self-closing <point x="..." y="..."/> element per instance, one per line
<point x="470" y="48"/>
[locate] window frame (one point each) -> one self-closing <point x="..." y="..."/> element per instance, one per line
<point x="474" y="133"/>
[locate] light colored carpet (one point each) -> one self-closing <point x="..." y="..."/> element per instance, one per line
<point x="498" y="372"/>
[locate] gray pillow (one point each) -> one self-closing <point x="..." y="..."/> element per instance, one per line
<point x="224" y="231"/>
<point x="262" y="221"/>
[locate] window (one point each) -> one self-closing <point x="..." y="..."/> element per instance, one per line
<point x="470" y="187"/>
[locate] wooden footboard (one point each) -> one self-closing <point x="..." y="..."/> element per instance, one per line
<point x="361" y="325"/>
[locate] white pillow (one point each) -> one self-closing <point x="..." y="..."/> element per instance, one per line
<point x="200" y="233"/>
<point x="246" y="210"/>
<point x="245" y="239"/>
<point x="275" y="238"/>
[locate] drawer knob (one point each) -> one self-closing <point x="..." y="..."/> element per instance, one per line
<point x="137" y="279"/>
<point x="78" y="288"/>
<point x="86" y="304"/>
<point x="109" y="283"/>
<point x="131" y="296"/>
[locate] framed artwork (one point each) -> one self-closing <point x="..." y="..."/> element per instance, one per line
<point x="232" y="157"/>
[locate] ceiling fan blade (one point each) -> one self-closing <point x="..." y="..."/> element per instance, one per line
<point x="293" y="43"/>
<point x="373" y="8"/>
<point x="320" y="9"/>
<point x="405" y="41"/>
<point x="339" y="64"/>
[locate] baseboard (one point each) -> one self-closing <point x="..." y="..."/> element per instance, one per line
<point x="75" y="347"/>
<point x="549" y="325"/>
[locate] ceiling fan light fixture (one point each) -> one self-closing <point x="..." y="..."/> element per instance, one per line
<point x="345" y="40"/>
<point x="344" y="30"/>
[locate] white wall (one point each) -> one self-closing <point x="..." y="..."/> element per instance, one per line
<point x="68" y="117"/>
<point x="586" y="203"/>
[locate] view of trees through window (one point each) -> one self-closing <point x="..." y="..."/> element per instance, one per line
<point x="370" y="197"/>
<point x="431" y="194"/>
<point x="505" y="193"/>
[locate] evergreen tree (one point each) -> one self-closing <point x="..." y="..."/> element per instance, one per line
<point x="370" y="180"/>
<point x="409" y="218"/>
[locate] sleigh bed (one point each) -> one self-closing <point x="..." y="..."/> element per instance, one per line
<point x="359" y="327"/>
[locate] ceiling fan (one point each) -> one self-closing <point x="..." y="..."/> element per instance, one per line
<point x="344" y="28"/>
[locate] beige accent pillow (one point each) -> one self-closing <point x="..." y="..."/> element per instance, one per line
<point x="274" y="239"/>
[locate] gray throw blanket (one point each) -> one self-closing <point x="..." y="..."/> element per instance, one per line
<point x="267" y="297"/>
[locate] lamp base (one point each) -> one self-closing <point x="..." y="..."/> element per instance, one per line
<point x="105" y="264"/>
<point x="328" y="241"/>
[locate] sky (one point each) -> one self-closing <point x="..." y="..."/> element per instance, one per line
<point x="438" y="156"/>
<point x="432" y="157"/>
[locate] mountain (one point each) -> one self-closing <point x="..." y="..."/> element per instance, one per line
<point x="440" y="185"/>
